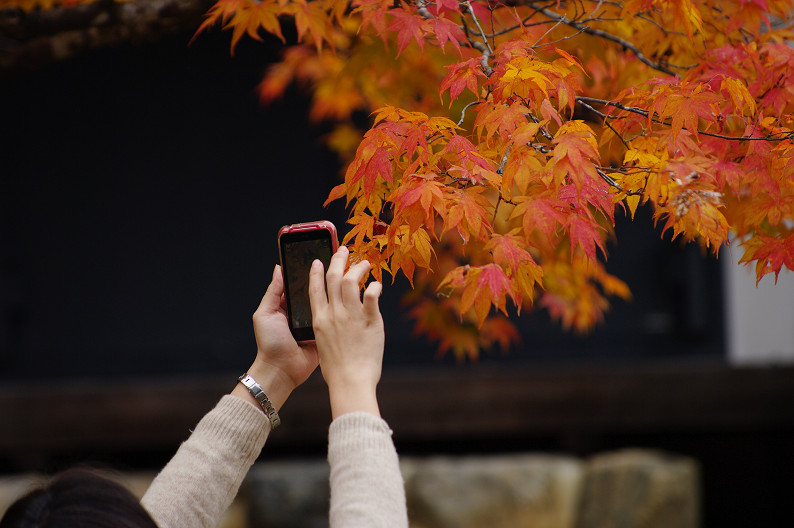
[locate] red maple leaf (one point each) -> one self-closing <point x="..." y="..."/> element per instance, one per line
<point x="584" y="232"/>
<point x="461" y="75"/>
<point x="445" y="31"/>
<point x="409" y="26"/>
<point x="483" y="286"/>
<point x="544" y="213"/>
<point x="372" y="160"/>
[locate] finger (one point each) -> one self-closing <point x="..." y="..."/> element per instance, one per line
<point x="351" y="289"/>
<point x="371" y="296"/>
<point x="317" y="298"/>
<point x="336" y="271"/>
<point x="271" y="301"/>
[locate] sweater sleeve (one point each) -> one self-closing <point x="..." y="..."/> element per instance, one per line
<point x="367" y="488"/>
<point x="200" y="482"/>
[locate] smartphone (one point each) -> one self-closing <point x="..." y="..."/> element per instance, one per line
<point x="299" y="245"/>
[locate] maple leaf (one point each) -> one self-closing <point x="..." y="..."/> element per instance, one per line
<point x="336" y="193"/>
<point x="373" y="14"/>
<point x="504" y="119"/>
<point x="585" y="233"/>
<point x="409" y="26"/>
<point x="684" y="103"/>
<point x="467" y="213"/>
<point x="498" y="329"/>
<point x="693" y="209"/>
<point x="466" y="152"/>
<point x="572" y="295"/>
<point x="445" y="31"/>
<point x="222" y="11"/>
<point x="575" y="152"/>
<point x="363" y="225"/>
<point x="372" y="161"/>
<point x="310" y="18"/>
<point x="482" y="286"/>
<point x="521" y="169"/>
<point x="507" y="251"/>
<point x="542" y="212"/>
<point x="409" y="250"/>
<point x="739" y="95"/>
<point x="461" y="75"/>
<point x="245" y="17"/>
<point x="525" y="273"/>
<point x="418" y="200"/>
<point x="440" y="321"/>
<point x="730" y="173"/>
<point x="770" y="253"/>
<point x="594" y="193"/>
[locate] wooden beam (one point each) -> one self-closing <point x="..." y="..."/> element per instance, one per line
<point x="30" y="39"/>
<point x="422" y="405"/>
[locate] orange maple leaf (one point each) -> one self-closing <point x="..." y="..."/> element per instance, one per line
<point x="483" y="286"/>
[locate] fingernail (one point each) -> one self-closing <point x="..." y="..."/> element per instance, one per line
<point x="317" y="264"/>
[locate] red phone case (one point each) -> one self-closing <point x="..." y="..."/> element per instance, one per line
<point x="324" y="225"/>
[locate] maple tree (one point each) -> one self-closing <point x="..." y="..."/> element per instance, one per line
<point x="504" y="136"/>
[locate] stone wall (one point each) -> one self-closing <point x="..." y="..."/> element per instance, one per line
<point x="622" y="489"/>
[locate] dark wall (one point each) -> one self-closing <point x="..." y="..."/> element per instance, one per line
<point x="142" y="190"/>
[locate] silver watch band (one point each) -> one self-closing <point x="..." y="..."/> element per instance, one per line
<point x="259" y="395"/>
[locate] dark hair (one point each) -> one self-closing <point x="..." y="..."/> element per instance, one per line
<point x="81" y="498"/>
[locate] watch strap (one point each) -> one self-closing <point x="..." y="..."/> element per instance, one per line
<point x="259" y="395"/>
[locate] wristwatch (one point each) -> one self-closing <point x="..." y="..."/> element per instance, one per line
<point x="259" y="395"/>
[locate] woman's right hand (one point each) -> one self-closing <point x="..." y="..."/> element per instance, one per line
<point x="348" y="332"/>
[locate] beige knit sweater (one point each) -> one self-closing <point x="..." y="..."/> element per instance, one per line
<point x="202" y="479"/>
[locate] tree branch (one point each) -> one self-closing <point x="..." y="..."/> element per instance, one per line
<point x="659" y="66"/>
<point x="612" y="183"/>
<point x="463" y="112"/>
<point x="584" y="100"/>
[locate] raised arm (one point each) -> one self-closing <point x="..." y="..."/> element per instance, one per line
<point x="203" y="477"/>
<point x="367" y="489"/>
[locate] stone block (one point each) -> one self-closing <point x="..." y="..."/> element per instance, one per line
<point x="495" y="492"/>
<point x="640" y="489"/>
<point x="288" y="494"/>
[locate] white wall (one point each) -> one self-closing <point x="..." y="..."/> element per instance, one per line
<point x="759" y="322"/>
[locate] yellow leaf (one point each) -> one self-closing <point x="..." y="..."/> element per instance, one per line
<point x="633" y="201"/>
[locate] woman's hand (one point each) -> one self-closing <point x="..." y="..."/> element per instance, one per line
<point x="281" y="364"/>
<point x="349" y="333"/>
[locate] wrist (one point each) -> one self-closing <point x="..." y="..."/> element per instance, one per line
<point x="275" y="384"/>
<point x="353" y="398"/>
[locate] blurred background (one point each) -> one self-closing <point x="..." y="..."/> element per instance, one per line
<point x="141" y="190"/>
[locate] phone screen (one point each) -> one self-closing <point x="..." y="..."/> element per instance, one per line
<point x="298" y="251"/>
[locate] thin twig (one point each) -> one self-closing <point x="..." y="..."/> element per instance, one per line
<point x="479" y="46"/>
<point x="545" y="133"/>
<point x="501" y="168"/>
<point x="645" y="113"/>
<point x="479" y="28"/>
<point x="463" y="112"/>
<point x="616" y="185"/>
<point x="603" y="34"/>
<point x="606" y="121"/>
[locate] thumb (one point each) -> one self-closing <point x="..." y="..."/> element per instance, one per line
<point x="272" y="299"/>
